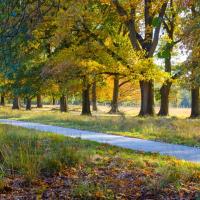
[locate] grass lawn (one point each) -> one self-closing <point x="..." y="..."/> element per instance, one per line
<point x="36" y="165"/>
<point x="171" y="129"/>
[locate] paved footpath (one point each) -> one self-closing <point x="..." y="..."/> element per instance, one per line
<point x="179" y="151"/>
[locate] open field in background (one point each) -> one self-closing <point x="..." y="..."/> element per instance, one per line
<point x="178" y="130"/>
<point x="35" y="165"/>
<point x="126" y="110"/>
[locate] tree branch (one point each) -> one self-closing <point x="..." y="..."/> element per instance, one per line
<point x="119" y="8"/>
<point x="157" y="30"/>
<point x="109" y="51"/>
<point x="166" y="27"/>
<point x="130" y="23"/>
<point x="123" y="83"/>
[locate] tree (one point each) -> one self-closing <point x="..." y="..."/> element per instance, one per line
<point x="171" y="39"/>
<point x="153" y="18"/>
<point x="19" y="20"/>
<point x="192" y="65"/>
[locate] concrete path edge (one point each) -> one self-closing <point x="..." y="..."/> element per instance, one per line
<point x="181" y="152"/>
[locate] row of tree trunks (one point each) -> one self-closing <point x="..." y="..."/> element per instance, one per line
<point x="63" y="103"/>
<point x="16" y="103"/>
<point x="86" y="97"/>
<point x="164" y="109"/>
<point x="147" y="99"/>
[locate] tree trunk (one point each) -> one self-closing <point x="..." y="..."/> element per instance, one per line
<point x="63" y="103"/>
<point x="16" y="105"/>
<point x="147" y="98"/>
<point x="94" y="97"/>
<point x="114" y="102"/>
<point x="2" y="100"/>
<point x="195" y="103"/>
<point x="164" y="92"/>
<point x="86" y="98"/>
<point x="165" y="89"/>
<point x="39" y="101"/>
<point x="28" y="103"/>
<point x="54" y="101"/>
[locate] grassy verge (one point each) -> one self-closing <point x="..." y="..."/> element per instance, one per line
<point x="40" y="165"/>
<point x="172" y="130"/>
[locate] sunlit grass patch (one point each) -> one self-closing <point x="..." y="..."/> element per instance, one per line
<point x="29" y="154"/>
<point x="93" y="169"/>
